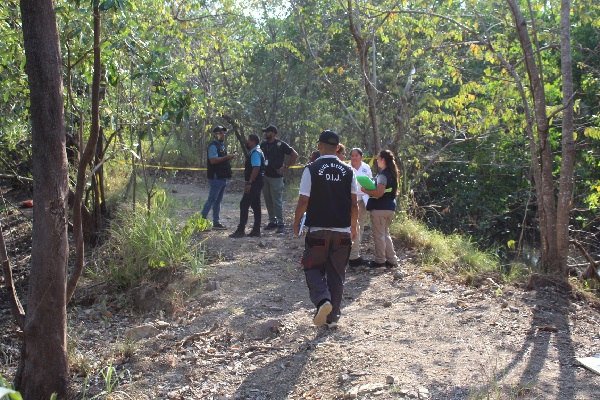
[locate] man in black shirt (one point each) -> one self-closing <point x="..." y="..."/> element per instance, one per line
<point x="328" y="195"/>
<point x="275" y="151"/>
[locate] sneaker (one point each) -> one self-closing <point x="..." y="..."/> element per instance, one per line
<point x="356" y="262"/>
<point x="237" y="234"/>
<point x="373" y="264"/>
<point x="391" y="264"/>
<point x="331" y="325"/>
<point x="219" y="227"/>
<point x="270" y="226"/>
<point x="254" y="234"/>
<point x="280" y="229"/>
<point x="323" y="311"/>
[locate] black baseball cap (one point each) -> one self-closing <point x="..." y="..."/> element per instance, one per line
<point x="329" y="137"/>
<point x="270" y="128"/>
<point x="219" y="128"/>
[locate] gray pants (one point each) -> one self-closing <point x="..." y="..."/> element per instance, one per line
<point x="325" y="257"/>
<point x="273" y="193"/>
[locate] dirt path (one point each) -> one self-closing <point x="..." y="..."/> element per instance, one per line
<point x="246" y="333"/>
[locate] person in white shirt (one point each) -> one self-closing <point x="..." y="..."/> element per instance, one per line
<point x="328" y="197"/>
<point x="360" y="169"/>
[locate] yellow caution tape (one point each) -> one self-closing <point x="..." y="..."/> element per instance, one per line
<point x="184" y="168"/>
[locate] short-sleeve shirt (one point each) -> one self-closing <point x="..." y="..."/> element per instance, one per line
<point x="363" y="170"/>
<point x="255" y="158"/>
<point x="275" y="153"/>
<point x="212" y="151"/>
<point x="305" y="188"/>
<point x="382" y="180"/>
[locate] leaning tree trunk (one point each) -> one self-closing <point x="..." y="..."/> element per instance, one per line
<point x="44" y="367"/>
<point x="86" y="158"/>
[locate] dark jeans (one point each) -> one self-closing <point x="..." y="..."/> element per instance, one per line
<point x="251" y="199"/>
<point x="325" y="257"/>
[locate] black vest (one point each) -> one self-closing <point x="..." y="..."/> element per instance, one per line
<point x="388" y="200"/>
<point x="329" y="204"/>
<point x="275" y="154"/>
<point x="221" y="170"/>
<point x="248" y="166"/>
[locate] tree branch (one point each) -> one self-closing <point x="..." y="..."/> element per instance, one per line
<point x="592" y="271"/>
<point x="16" y="178"/>
<point x="563" y="107"/>
<point x="13" y="299"/>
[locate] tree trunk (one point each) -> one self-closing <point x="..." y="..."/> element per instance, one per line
<point x="554" y="220"/>
<point x="100" y="209"/>
<point x="44" y="367"/>
<point x="363" y="45"/>
<point x="567" y="176"/>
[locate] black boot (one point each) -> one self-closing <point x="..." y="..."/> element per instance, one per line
<point x="254" y="233"/>
<point x="239" y="233"/>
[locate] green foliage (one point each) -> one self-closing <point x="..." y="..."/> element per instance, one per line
<point x="480" y="189"/>
<point x="118" y="175"/>
<point x="170" y="73"/>
<point x="592" y="132"/>
<point x="112" y="378"/>
<point x="176" y="154"/>
<point x="6" y="391"/>
<point x="141" y="242"/>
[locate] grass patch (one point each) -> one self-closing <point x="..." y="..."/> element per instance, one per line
<point x="143" y="241"/>
<point x="444" y="253"/>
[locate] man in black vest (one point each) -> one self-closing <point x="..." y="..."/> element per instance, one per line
<point x="275" y="151"/>
<point x="254" y="171"/>
<point x="328" y="193"/>
<point x="218" y="171"/>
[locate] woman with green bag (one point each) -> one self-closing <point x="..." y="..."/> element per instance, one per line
<point x="382" y="205"/>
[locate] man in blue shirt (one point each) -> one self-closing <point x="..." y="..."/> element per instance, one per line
<point x="218" y="171"/>
<point x="254" y="171"/>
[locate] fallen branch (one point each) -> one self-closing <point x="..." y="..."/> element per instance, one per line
<point x="592" y="270"/>
<point x="15" y="304"/>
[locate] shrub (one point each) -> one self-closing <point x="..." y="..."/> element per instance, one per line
<point x="143" y="241"/>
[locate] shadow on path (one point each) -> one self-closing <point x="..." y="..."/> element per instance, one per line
<point x="549" y="331"/>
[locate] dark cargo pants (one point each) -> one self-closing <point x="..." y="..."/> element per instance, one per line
<point x="325" y="257"/>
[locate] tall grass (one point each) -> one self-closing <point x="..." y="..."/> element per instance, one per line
<point x="143" y="241"/>
<point x="444" y="253"/>
<point x="118" y="174"/>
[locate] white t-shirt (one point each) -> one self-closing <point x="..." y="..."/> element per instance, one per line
<point x="306" y="184"/>
<point x="363" y="170"/>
